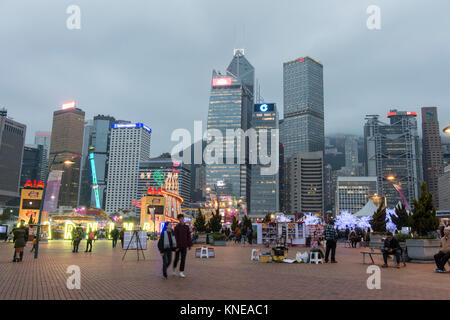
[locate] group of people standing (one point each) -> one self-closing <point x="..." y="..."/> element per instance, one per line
<point x="243" y="234"/>
<point x="77" y="236"/>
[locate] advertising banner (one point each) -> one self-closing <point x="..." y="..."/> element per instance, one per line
<point x="52" y="191"/>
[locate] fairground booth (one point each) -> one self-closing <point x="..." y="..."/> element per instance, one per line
<point x="159" y="206"/>
<point x="90" y="219"/>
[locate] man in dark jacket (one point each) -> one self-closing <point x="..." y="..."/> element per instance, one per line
<point x="391" y="247"/>
<point x="184" y="241"/>
<point x="166" y="244"/>
<point x="331" y="237"/>
<point x="115" y="236"/>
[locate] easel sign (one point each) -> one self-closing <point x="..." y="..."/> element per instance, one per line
<point x="132" y="240"/>
<point x="135" y="240"/>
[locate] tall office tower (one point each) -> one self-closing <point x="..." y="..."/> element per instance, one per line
<point x="130" y="143"/>
<point x="84" y="192"/>
<point x="445" y="150"/>
<point x="164" y="173"/>
<point x="230" y="107"/>
<point x="392" y="155"/>
<point x="351" y="152"/>
<point x="444" y="189"/>
<point x="432" y="158"/>
<point x="66" y="145"/>
<point x="305" y="174"/>
<point x="31" y="163"/>
<point x="12" y="140"/>
<point x="353" y="192"/>
<point x="43" y="139"/>
<point x="264" y="190"/>
<point x="303" y="106"/>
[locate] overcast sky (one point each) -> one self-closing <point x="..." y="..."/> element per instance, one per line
<point x="151" y="61"/>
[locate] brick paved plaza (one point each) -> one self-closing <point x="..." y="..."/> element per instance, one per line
<point x="231" y="275"/>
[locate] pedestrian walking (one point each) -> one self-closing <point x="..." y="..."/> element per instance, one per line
<point x="90" y="238"/>
<point x="20" y="240"/>
<point x="237" y="235"/>
<point x="331" y="236"/>
<point x="166" y="244"/>
<point x="115" y="236"/>
<point x="184" y="242"/>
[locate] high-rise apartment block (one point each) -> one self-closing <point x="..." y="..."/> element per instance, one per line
<point x="130" y="144"/>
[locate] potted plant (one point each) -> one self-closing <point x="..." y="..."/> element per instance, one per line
<point x="200" y="227"/>
<point x="218" y="239"/>
<point x="378" y="224"/>
<point x="423" y="222"/>
<point x="215" y="224"/>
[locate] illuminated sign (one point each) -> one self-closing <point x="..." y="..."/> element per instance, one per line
<point x="155" y="191"/>
<point x="264" y="107"/>
<point x="69" y="105"/>
<point x="130" y="125"/>
<point x="222" y="81"/>
<point x="33" y="184"/>
<point x="302" y="60"/>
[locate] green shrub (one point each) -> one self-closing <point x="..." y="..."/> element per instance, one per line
<point x="402" y="237"/>
<point x="423" y="219"/>
<point x="218" y="236"/>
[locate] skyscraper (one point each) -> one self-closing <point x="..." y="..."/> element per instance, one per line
<point x="66" y="145"/>
<point x="230" y="107"/>
<point x="84" y="196"/>
<point x="31" y="164"/>
<point x="303" y="122"/>
<point x="303" y="134"/>
<point x="305" y="183"/>
<point x="43" y="139"/>
<point x="12" y="139"/>
<point x="264" y="196"/>
<point x="432" y="158"/>
<point x="392" y="155"/>
<point x="130" y="143"/>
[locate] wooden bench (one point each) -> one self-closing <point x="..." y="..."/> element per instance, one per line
<point x="379" y="245"/>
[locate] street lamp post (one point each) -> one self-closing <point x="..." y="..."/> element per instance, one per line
<point x="38" y="231"/>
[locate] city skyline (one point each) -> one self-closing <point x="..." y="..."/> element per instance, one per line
<point x="366" y="71"/>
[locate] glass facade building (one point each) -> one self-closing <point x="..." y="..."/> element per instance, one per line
<point x="264" y="191"/>
<point x="96" y="141"/>
<point x="393" y="156"/>
<point x="230" y="107"/>
<point x="303" y="125"/>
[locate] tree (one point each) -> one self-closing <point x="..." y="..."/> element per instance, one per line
<point x="378" y="221"/>
<point x="215" y="223"/>
<point x="234" y="224"/>
<point x="246" y="223"/>
<point x="200" y="223"/>
<point x="423" y="219"/>
<point x="267" y="218"/>
<point x="402" y="219"/>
